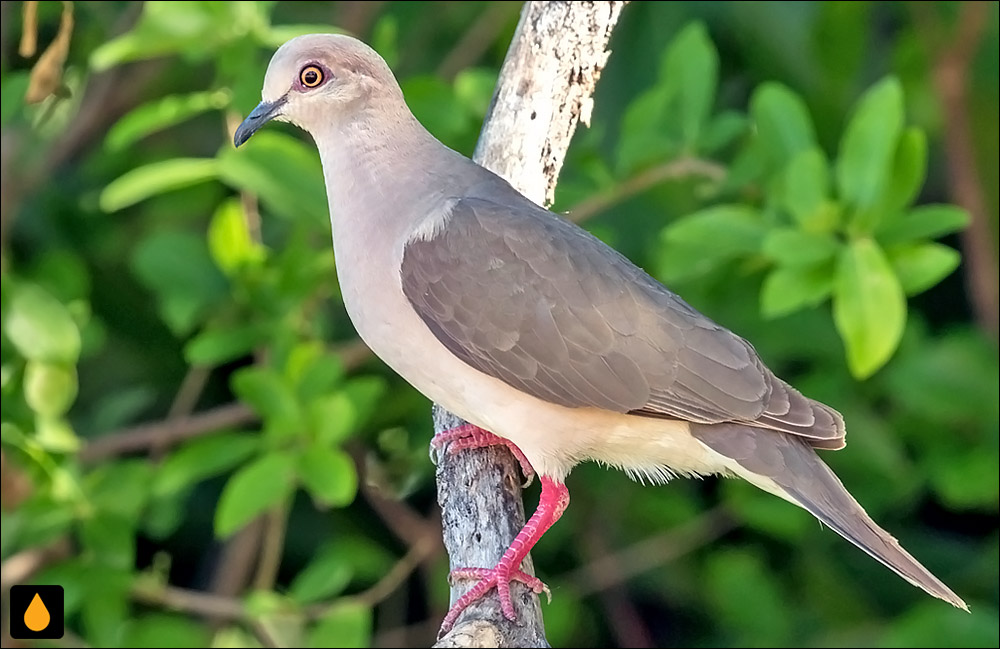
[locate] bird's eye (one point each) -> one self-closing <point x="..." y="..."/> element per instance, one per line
<point x="311" y="76"/>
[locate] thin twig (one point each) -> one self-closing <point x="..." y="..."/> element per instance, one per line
<point x="141" y="437"/>
<point x="356" y="17"/>
<point x="206" y="605"/>
<point x="951" y="77"/>
<point x="405" y="523"/>
<point x="390" y="581"/>
<point x="621" y="613"/>
<point x="183" y="404"/>
<point x="19" y="567"/>
<point x="672" y="170"/>
<point x="477" y="39"/>
<point x="649" y="553"/>
<point x="168" y="432"/>
<point x="191" y="601"/>
<point x="236" y="560"/>
<point x="272" y="547"/>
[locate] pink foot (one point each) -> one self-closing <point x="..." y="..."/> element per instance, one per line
<point x="468" y="436"/>
<point x="551" y="505"/>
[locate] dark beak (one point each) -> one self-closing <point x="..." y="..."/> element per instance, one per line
<point x="262" y="114"/>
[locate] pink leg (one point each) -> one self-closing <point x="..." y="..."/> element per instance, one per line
<point x="468" y="436"/>
<point x="551" y="505"/>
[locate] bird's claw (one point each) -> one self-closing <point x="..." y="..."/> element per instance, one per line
<point x="499" y="577"/>
<point x="468" y="436"/>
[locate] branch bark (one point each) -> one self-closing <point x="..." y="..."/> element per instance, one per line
<point x="545" y="88"/>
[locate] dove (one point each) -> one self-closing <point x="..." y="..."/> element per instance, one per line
<point x="535" y="332"/>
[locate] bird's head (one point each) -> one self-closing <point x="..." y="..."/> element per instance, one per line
<point x="317" y="79"/>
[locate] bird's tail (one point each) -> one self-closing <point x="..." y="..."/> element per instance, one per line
<point x="788" y="467"/>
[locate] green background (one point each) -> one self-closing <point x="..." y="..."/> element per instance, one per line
<point x="198" y="449"/>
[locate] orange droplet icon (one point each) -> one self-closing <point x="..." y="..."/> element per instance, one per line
<point x="37" y="616"/>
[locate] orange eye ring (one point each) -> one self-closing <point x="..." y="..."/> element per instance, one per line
<point x="311" y="76"/>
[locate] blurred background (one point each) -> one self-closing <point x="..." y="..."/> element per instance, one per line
<point x="197" y="447"/>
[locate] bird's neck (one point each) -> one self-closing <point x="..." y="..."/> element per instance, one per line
<point x="380" y="167"/>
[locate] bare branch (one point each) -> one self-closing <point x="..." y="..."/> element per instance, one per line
<point x="951" y="78"/>
<point x="650" y="553"/>
<point x="477" y="39"/>
<point x="143" y="436"/>
<point x="646" y="179"/>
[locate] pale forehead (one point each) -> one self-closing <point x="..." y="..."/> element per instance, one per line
<point x="336" y="51"/>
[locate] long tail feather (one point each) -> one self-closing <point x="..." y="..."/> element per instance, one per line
<point x="789" y="467"/>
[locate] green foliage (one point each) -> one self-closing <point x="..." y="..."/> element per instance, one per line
<point x="179" y="377"/>
<point x="804" y="219"/>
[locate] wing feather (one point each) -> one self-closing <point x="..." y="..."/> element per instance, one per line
<point x="526" y="297"/>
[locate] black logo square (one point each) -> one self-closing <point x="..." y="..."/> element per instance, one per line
<point x="37" y="612"/>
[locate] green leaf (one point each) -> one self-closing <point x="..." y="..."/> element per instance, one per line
<point x="967" y="482"/>
<point x="869" y="307"/>
<point x="909" y="168"/>
<point x="121" y="488"/>
<point x="784" y="128"/>
<point x="327" y="574"/>
<point x="786" y="290"/>
<point x="924" y="222"/>
<point x="328" y="475"/>
<point x="110" y="539"/>
<point x="14" y="87"/>
<point x="160" y="114"/>
<point x="769" y="515"/>
<point x="743" y="595"/>
<point x="344" y="625"/>
<point x="690" y="73"/>
<point x="921" y="266"/>
<point x="283" y="171"/>
<point x="474" y="90"/>
<point x="269" y="394"/>
<point x="723" y="130"/>
<point x="791" y="247"/>
<point x="868" y="147"/>
<point x="105" y="606"/>
<point x="49" y="388"/>
<point x="332" y="418"/>
<point x="167" y="631"/>
<point x="728" y="229"/>
<point x="278" y="35"/>
<point x="216" y="346"/>
<point x="644" y="139"/>
<point x="318" y="376"/>
<point x="699" y="242"/>
<point x="40" y="327"/>
<point x="156" y="178"/>
<point x="195" y="30"/>
<point x="65" y="274"/>
<point x="54" y="434"/>
<point x="807" y="188"/>
<point x="203" y="458"/>
<point x="435" y="105"/>
<point x="926" y="624"/>
<point x="252" y="490"/>
<point x="177" y="266"/>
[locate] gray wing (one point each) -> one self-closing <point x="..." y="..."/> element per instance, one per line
<point x="537" y="302"/>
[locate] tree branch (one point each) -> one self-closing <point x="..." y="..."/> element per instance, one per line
<point x="646" y="179"/>
<point x="170" y="431"/>
<point x="545" y="88"/>
<point x="951" y="78"/>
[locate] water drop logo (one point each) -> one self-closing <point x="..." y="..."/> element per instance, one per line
<point x="36" y="612"/>
<point x="37" y="616"/>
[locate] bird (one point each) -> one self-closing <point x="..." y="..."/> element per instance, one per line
<point x="538" y="334"/>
